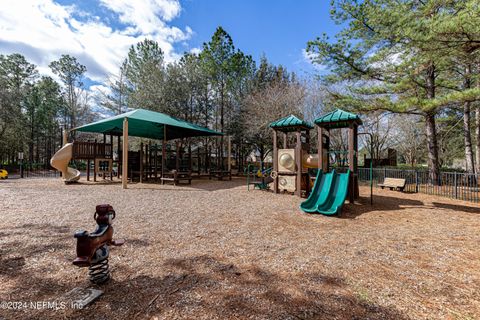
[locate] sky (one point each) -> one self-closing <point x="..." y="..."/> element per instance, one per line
<point x="99" y="32"/>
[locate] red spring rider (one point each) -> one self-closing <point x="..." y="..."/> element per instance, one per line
<point x="92" y="248"/>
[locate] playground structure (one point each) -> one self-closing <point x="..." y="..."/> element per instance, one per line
<point x="261" y="179"/>
<point x="152" y="162"/>
<point x="101" y="154"/>
<point x="339" y="119"/>
<point x="291" y="163"/>
<point x="92" y="248"/>
<point x="60" y="161"/>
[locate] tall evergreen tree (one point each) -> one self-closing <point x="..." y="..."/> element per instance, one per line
<point x="71" y="73"/>
<point x="16" y="78"/>
<point x="145" y="74"/>
<point x="225" y="67"/>
<point x="117" y="99"/>
<point x="389" y="57"/>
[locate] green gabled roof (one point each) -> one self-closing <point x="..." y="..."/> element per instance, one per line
<point x="148" y="124"/>
<point x="338" y="119"/>
<point x="290" y="123"/>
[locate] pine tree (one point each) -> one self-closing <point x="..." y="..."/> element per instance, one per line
<point x="391" y="55"/>
<point x="226" y="69"/>
<point x="145" y="75"/>
<point x="71" y="73"/>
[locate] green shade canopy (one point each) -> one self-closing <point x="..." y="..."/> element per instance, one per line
<point x="148" y="124"/>
<point x="290" y="123"/>
<point x="338" y="119"/>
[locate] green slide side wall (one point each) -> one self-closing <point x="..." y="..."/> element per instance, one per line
<point x="319" y="193"/>
<point x="309" y="204"/>
<point x="328" y="194"/>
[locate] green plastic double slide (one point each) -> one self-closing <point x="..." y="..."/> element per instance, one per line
<point x="328" y="194"/>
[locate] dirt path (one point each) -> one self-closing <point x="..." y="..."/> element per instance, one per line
<point x="217" y="251"/>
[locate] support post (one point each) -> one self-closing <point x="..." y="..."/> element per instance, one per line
<point x="298" y="160"/>
<point x="155" y="162"/>
<point x="355" y="162"/>
<point x="320" y="149"/>
<point x="199" y="160"/>
<point x="177" y="156"/>
<point x="125" y="154"/>
<point x="119" y="163"/>
<point x="104" y="151"/>
<point x="416" y="181"/>
<point x="141" y="162"/>
<point x="307" y="140"/>
<point x="455" y="183"/>
<point x="147" y="160"/>
<point x="285" y="144"/>
<point x="88" y="170"/>
<point x="351" y="165"/>
<point x="190" y="160"/>
<point x="111" y="155"/>
<point x="275" y="161"/>
<point x="95" y="161"/>
<point x="64" y="142"/>
<point x="164" y="149"/>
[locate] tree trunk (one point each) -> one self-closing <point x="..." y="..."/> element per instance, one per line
<point x="477" y="138"/>
<point x="31" y="142"/>
<point x="431" y="130"/>
<point x="37" y="153"/>
<point x="468" y="138"/>
<point x="466" y="125"/>
<point x="432" y="147"/>
<point x="477" y="134"/>
<point x="222" y="107"/>
<point x="262" y="155"/>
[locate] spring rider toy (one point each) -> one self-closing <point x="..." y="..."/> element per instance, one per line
<point x="92" y="248"/>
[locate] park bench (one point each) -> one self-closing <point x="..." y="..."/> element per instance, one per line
<point x="393" y="183"/>
<point x="220" y="174"/>
<point x="177" y="177"/>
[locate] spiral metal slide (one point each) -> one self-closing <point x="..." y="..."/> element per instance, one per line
<point x="328" y="194"/>
<point x="60" y="162"/>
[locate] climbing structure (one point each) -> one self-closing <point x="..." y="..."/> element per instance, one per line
<point x="291" y="162"/>
<point x="339" y="119"/>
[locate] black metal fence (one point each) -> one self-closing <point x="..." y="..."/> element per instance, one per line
<point x="456" y="185"/>
<point x="41" y="174"/>
<point x="26" y="170"/>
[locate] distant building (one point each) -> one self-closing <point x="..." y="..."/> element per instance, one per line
<point x="390" y="159"/>
<point x="459" y="164"/>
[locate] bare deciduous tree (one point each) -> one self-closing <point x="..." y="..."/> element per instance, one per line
<point x="275" y="101"/>
<point x="408" y="137"/>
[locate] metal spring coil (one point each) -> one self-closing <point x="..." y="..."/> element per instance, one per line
<point x="98" y="272"/>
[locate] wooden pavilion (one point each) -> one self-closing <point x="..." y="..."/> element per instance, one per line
<point x="146" y="124"/>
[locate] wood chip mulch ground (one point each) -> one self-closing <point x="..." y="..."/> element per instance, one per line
<point x="214" y="250"/>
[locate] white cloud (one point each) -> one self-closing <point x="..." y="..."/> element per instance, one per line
<point x="144" y="16"/>
<point x="195" y="50"/>
<point x="42" y="30"/>
<point x="101" y="89"/>
<point x="309" y="57"/>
